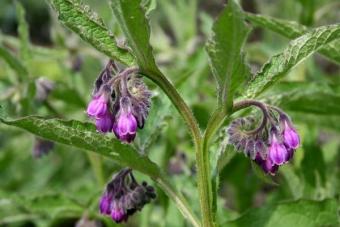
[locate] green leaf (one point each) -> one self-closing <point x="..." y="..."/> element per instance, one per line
<point x="13" y="62"/>
<point x="156" y="122"/>
<point x="313" y="98"/>
<point x="23" y="32"/>
<point x="131" y="19"/>
<point x="302" y="213"/>
<point x="89" y="27"/>
<point x="85" y="136"/>
<point x="307" y="12"/>
<point x="296" y="52"/>
<point x="292" y="30"/>
<point x="225" y="52"/>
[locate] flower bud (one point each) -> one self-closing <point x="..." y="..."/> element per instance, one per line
<point x="105" y="204"/>
<point x="118" y="213"/>
<point x="290" y="136"/>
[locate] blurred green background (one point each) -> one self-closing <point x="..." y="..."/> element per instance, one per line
<point x="62" y="187"/>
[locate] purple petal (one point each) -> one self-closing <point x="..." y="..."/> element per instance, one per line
<point x="97" y="107"/>
<point x="291" y="138"/>
<point x="277" y="152"/>
<point x="105" y="205"/>
<point x="105" y="123"/>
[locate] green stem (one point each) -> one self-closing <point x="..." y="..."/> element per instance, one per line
<point x="96" y="164"/>
<point x="203" y="171"/>
<point x="181" y="203"/>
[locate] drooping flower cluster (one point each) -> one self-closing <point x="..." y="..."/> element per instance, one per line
<point x="270" y="145"/>
<point x="119" y="104"/>
<point x="124" y="196"/>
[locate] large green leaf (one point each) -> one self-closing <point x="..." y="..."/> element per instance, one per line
<point x="302" y="213"/>
<point x="225" y="52"/>
<point x="91" y="29"/>
<point x="292" y="30"/>
<point x="296" y="52"/>
<point x="131" y="18"/>
<point x="84" y="135"/>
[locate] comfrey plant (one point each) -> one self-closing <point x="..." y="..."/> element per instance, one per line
<point x="120" y="105"/>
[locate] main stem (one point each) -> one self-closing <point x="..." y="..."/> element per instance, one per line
<point x="203" y="171"/>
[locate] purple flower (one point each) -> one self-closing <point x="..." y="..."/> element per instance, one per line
<point x="105" y="204"/>
<point x="291" y="138"/>
<point x="125" y="127"/>
<point x="277" y="151"/>
<point x="267" y="165"/>
<point x="124" y="196"/>
<point x="105" y="123"/>
<point x="98" y="107"/>
<point x="117" y="213"/>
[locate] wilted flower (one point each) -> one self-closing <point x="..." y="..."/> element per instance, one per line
<point x="124" y="196"/>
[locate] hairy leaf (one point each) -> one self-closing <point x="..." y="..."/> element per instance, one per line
<point x="225" y="52"/>
<point x="131" y="18"/>
<point x="296" y="52"/>
<point x="292" y="30"/>
<point x="84" y="136"/>
<point x="91" y="28"/>
<point x="302" y="213"/>
<point x="313" y="98"/>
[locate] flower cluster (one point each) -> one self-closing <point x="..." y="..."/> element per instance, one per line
<point x="119" y="104"/>
<point x="124" y="196"/>
<point x="270" y="145"/>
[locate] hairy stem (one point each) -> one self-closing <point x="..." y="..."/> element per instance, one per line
<point x="179" y="200"/>
<point x="203" y="171"/>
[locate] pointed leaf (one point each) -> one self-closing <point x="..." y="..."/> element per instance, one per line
<point x="90" y="28"/>
<point x="296" y="52"/>
<point x="84" y="136"/>
<point x="302" y="213"/>
<point x="292" y="30"/>
<point x="131" y="18"/>
<point x="225" y="52"/>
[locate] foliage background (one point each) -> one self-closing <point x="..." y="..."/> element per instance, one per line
<point x="64" y="186"/>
